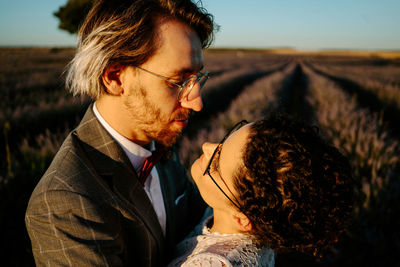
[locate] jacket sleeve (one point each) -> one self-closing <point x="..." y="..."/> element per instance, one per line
<point x="69" y="229"/>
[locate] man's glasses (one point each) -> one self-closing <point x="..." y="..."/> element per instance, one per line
<point x="185" y="89"/>
<point x="217" y="151"/>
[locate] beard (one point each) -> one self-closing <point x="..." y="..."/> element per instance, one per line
<point x="165" y="135"/>
<point x="150" y="119"/>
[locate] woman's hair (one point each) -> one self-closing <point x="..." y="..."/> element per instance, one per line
<point x="124" y="32"/>
<point x="295" y="188"/>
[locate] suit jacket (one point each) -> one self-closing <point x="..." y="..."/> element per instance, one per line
<point x="89" y="208"/>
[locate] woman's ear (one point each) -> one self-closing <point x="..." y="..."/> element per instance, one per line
<point x="112" y="79"/>
<point x="242" y="222"/>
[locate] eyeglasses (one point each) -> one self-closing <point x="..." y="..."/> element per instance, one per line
<point x="185" y="89"/>
<point x="218" y="151"/>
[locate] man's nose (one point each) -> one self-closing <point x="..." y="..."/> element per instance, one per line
<point x="193" y="101"/>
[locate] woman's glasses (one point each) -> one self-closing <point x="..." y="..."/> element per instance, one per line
<point x="217" y="151"/>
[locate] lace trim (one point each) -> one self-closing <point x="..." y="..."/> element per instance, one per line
<point x="206" y="230"/>
<point x="207" y="260"/>
<point x="218" y="249"/>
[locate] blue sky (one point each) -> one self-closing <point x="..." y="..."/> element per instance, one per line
<point x="301" y="24"/>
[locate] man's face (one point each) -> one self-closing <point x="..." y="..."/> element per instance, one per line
<point x="151" y="104"/>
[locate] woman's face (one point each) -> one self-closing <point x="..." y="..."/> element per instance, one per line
<point x="223" y="167"/>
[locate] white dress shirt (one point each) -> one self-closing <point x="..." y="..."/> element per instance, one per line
<point x="137" y="155"/>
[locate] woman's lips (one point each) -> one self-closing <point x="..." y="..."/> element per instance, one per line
<point x="201" y="159"/>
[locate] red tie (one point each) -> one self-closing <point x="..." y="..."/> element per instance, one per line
<point x="149" y="164"/>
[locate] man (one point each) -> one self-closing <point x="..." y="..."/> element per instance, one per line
<point x="97" y="205"/>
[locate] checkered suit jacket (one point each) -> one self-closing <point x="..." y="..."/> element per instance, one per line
<point x="90" y="210"/>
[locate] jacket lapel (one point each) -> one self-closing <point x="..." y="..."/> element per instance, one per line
<point x="170" y="183"/>
<point x="110" y="162"/>
<point x="168" y="202"/>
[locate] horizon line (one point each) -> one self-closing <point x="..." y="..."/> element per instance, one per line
<point x="275" y="48"/>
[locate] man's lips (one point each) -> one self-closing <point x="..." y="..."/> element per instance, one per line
<point x="181" y="123"/>
<point x="182" y="119"/>
<point x="183" y="116"/>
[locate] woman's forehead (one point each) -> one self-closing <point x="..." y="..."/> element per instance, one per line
<point x="232" y="151"/>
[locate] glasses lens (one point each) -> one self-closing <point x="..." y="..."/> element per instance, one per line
<point x="187" y="88"/>
<point x="187" y="92"/>
<point x="202" y="79"/>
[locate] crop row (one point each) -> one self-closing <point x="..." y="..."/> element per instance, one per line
<point x="374" y="156"/>
<point x="361" y="135"/>
<point x="380" y="70"/>
<point x="219" y="61"/>
<point x="383" y="82"/>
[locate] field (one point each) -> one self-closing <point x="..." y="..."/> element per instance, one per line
<point x="354" y="98"/>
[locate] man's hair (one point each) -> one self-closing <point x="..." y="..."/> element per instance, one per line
<point x="295" y="188"/>
<point x="124" y="32"/>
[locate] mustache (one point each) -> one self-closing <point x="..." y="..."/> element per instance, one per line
<point x="183" y="115"/>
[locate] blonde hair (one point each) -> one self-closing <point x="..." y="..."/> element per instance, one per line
<point x="124" y="32"/>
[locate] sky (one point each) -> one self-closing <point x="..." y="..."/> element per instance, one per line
<point x="298" y="24"/>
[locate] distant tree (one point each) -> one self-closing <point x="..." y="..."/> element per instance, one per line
<point x="72" y="14"/>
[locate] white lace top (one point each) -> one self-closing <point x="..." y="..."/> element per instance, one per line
<point x="224" y="250"/>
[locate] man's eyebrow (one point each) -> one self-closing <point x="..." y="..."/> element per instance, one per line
<point x="187" y="70"/>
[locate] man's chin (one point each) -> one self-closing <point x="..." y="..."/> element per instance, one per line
<point x="167" y="143"/>
<point x="168" y="139"/>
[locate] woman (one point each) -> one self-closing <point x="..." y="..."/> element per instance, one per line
<point x="272" y="184"/>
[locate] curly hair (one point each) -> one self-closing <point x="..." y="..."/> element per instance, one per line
<point x="124" y="32"/>
<point x="296" y="189"/>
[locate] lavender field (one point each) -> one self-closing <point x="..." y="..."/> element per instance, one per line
<point x="355" y="101"/>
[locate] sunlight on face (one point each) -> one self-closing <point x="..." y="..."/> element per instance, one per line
<point x="224" y="168"/>
<point x="151" y="103"/>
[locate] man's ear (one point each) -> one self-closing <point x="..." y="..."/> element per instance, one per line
<point x="242" y="222"/>
<point x="112" y="79"/>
